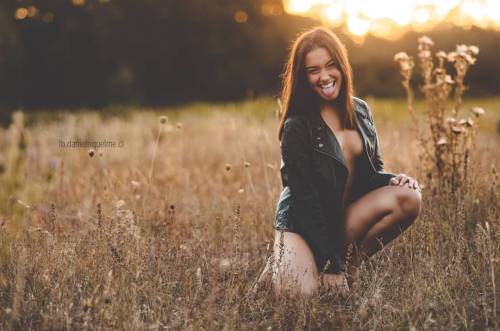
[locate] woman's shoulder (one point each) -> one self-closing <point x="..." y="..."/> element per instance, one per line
<point x="361" y="106"/>
<point x="295" y="126"/>
<point x="296" y="122"/>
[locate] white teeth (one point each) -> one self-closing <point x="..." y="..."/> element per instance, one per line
<point x="328" y="85"/>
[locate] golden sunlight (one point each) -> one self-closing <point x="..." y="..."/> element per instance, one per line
<point x="390" y="19"/>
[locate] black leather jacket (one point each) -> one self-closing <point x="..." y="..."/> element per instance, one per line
<point x="314" y="173"/>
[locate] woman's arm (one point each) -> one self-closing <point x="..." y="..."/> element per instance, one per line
<point x="308" y="211"/>
<point x="382" y="177"/>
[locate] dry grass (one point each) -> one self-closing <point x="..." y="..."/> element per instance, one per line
<point x="130" y="241"/>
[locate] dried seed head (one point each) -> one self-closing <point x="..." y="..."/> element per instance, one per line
<point x="179" y="125"/>
<point x="163" y="119"/>
<point x="224" y="263"/>
<point x="135" y="184"/>
<point x="462" y="49"/>
<point x="441" y="55"/>
<point x="466" y="122"/>
<point x="246" y="164"/>
<point x="465" y="52"/>
<point x="470" y="59"/>
<point x="457" y="129"/>
<point x="228" y="167"/>
<point x="91" y="152"/>
<point x="425" y="41"/>
<point x="478" y="111"/>
<point x="401" y="56"/>
<point x="449" y="80"/>
<point x="442" y="141"/>
<point x="452" y="56"/>
<point x="474" y="49"/>
<point x="450" y="120"/>
<point x="240" y="191"/>
<point x="119" y="204"/>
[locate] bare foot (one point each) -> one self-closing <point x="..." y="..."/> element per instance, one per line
<point x="335" y="282"/>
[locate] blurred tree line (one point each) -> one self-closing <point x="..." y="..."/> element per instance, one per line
<point x="93" y="53"/>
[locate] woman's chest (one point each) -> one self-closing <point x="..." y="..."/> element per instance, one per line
<point x="351" y="144"/>
<point x="338" y="156"/>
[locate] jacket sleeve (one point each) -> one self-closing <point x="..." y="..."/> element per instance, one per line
<point x="382" y="177"/>
<point x="308" y="211"/>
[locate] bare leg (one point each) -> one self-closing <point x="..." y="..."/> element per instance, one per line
<point x="377" y="218"/>
<point x="294" y="267"/>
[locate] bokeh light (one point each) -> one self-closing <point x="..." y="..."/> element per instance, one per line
<point x="48" y="17"/>
<point x="78" y="2"/>
<point x="21" y="13"/>
<point x="241" y="16"/>
<point x="32" y="11"/>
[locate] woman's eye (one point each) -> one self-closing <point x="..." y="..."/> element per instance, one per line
<point x="331" y="64"/>
<point x="313" y="71"/>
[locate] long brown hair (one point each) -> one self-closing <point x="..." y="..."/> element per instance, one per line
<point x="296" y="94"/>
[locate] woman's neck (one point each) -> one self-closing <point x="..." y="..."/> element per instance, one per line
<point x="332" y="115"/>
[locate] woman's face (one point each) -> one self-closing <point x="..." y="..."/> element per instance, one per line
<point x="323" y="75"/>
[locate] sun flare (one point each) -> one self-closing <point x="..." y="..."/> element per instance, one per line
<point x="390" y="19"/>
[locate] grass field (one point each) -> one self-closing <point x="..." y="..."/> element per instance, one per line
<point x="171" y="230"/>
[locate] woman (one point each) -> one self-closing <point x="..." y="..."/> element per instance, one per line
<point x="335" y="191"/>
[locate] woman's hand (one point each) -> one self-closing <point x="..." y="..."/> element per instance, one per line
<point x="402" y="179"/>
<point x="337" y="282"/>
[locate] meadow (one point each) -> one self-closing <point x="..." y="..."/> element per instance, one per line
<point x="171" y="227"/>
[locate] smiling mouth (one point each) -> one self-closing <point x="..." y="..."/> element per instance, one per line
<point x="327" y="89"/>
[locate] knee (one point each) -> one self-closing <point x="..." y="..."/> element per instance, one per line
<point x="409" y="203"/>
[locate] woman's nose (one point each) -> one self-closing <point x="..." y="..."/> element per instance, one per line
<point x="324" y="75"/>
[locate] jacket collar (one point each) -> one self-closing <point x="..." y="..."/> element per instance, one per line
<point x="324" y="140"/>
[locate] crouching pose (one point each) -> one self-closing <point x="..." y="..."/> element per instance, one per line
<point x="335" y="190"/>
